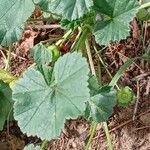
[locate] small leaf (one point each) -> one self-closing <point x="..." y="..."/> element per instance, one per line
<point x="125" y="96"/>
<point x="5" y="103"/>
<point x="32" y="147"/>
<point x="100" y="106"/>
<point x="13" y="14"/>
<point x="69" y="9"/>
<point x="115" y="26"/>
<point x="42" y="109"/>
<point x="41" y="54"/>
<point x="143" y="15"/>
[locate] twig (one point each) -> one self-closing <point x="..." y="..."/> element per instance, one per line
<point x="125" y="58"/>
<point x="137" y="101"/>
<point x="141" y="128"/>
<point x="122" y="125"/>
<point x="148" y="88"/>
<point x="139" y="77"/>
<point x="51" y="26"/>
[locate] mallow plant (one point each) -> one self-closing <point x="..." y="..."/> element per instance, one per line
<point x="60" y="87"/>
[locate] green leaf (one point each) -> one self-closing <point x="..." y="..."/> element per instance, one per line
<point x="143" y="15"/>
<point x="115" y="26"/>
<point x="6" y="76"/>
<point x="5" y="103"/>
<point x="93" y="85"/>
<point x="125" y="96"/>
<point x="13" y="14"/>
<point x="100" y="106"/>
<point x="32" y="147"/>
<point x="69" y="9"/>
<point x="41" y="109"/>
<point x="41" y="54"/>
<point x="46" y="72"/>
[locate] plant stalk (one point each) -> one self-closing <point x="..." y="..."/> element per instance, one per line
<point x="92" y="132"/>
<point x="146" y="5"/>
<point x="108" y="135"/>
<point x="90" y="57"/>
<point x="44" y="144"/>
<point x="64" y="38"/>
<point x="102" y="62"/>
<point x="8" y="58"/>
<point x="80" y="44"/>
<point x="76" y="39"/>
<point x="94" y="124"/>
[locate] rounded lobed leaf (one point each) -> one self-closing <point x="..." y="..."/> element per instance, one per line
<point x="100" y="107"/>
<point x="41" y="54"/>
<point x="13" y="14"/>
<point x="41" y="109"/>
<point x="116" y="24"/>
<point x="69" y="9"/>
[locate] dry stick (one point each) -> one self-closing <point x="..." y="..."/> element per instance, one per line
<point x="124" y="58"/>
<point x="141" y="128"/>
<point x="13" y="54"/>
<point x="140" y="77"/>
<point x="137" y="101"/>
<point x="123" y="124"/>
<point x="148" y="88"/>
<point x="51" y="26"/>
<point x="102" y="62"/>
<point x="145" y="32"/>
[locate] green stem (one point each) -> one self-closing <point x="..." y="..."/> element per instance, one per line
<point x="93" y="129"/>
<point x="102" y="62"/>
<point x="76" y="40"/>
<point x="64" y="38"/>
<point x="90" y="57"/>
<point x="94" y="124"/>
<point x="38" y="19"/>
<point x="44" y="144"/>
<point x="146" y="5"/>
<point x="108" y="135"/>
<point x="80" y="44"/>
<point x="8" y="58"/>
